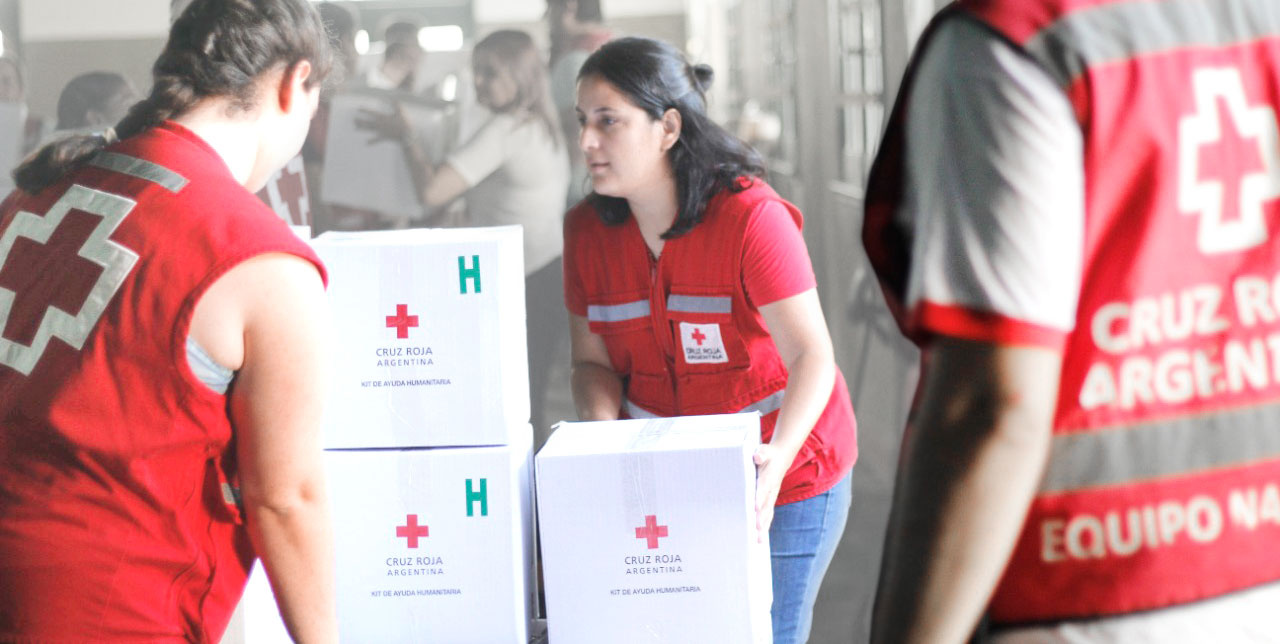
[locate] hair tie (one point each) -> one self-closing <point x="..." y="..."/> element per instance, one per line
<point x="702" y="75"/>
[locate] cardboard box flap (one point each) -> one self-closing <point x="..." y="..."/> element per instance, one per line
<point x="657" y="434"/>
<point x="432" y="343"/>
<point x="410" y="236"/>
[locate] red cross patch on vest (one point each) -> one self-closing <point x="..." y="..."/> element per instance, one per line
<point x="71" y="241"/>
<point x="702" y="344"/>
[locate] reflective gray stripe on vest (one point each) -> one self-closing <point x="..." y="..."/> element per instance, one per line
<point x="766" y="405"/>
<point x="1123" y="30"/>
<point x="230" y="495"/>
<point x="699" y="304"/>
<point x="1157" y="450"/>
<point x="140" y="168"/>
<point x="618" y="312"/>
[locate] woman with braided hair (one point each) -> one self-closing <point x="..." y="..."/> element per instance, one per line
<point x="162" y="352"/>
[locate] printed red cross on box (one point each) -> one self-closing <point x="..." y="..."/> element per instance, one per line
<point x="402" y="321"/>
<point x="52" y="274"/>
<point x="651" y="531"/>
<point x="411" y="530"/>
<point x="698" y="336"/>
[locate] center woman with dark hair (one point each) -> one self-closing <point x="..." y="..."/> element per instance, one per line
<point x="690" y="291"/>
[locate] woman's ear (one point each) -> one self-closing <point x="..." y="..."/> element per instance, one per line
<point x="293" y="84"/>
<point x="671" y="124"/>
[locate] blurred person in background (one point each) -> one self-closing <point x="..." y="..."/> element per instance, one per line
<point x="398" y="69"/>
<point x="401" y="60"/>
<point x="342" y="25"/>
<point x="164" y="352"/>
<point x="13" y="91"/>
<point x="513" y="170"/>
<point x="94" y="101"/>
<point x="403" y="31"/>
<point x="576" y="31"/>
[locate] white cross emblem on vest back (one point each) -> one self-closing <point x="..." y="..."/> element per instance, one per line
<point x="1219" y="231"/>
<point x="116" y="261"/>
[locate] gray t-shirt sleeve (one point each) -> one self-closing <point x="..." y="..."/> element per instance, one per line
<point x="994" y="184"/>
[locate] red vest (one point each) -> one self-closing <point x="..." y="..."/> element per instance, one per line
<point x="1165" y="462"/>
<point x="685" y="338"/>
<point x="114" y="459"/>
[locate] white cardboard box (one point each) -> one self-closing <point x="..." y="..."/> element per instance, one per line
<point x="433" y="545"/>
<point x="430" y="337"/>
<point x="257" y="617"/>
<point x="648" y="532"/>
<point x="375" y="176"/>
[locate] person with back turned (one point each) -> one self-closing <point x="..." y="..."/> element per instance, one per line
<point x="162" y="353"/>
<point x="1076" y="214"/>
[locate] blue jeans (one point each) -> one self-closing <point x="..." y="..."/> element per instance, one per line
<point x="802" y="542"/>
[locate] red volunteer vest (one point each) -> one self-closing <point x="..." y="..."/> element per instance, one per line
<point x="114" y="459"/>
<point x="685" y="338"/>
<point x="1162" y="482"/>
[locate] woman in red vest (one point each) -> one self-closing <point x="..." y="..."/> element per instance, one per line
<point x="162" y="353"/>
<point x="691" y="292"/>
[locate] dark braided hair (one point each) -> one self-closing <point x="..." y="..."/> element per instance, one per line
<point x="706" y="159"/>
<point x="216" y="48"/>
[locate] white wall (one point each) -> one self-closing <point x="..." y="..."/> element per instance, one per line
<point x="627" y="8"/>
<point x="97" y="19"/>
<point x="53" y="20"/>
<point x="507" y="11"/>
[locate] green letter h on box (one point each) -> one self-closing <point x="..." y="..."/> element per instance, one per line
<point x="465" y="273"/>
<point x="481" y="496"/>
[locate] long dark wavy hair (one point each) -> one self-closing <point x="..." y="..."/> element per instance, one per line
<point x="707" y="159"/>
<point x="216" y="48"/>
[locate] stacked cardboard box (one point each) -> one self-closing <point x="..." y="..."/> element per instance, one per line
<point x="429" y="450"/>
<point x="648" y="532"/>
<point x="431" y="330"/>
